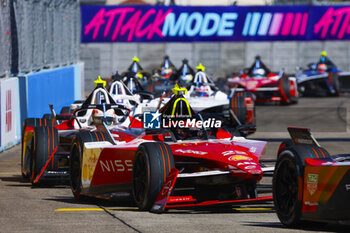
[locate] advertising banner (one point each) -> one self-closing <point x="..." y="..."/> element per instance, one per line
<point x="8" y="99"/>
<point x="54" y="86"/>
<point x="231" y="23"/>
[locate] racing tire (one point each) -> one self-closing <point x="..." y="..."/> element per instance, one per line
<point x="76" y="158"/>
<point x="45" y="142"/>
<point x="285" y="90"/>
<point x="287" y="182"/>
<point x="27" y="143"/>
<point x="333" y="78"/>
<point x="237" y="105"/>
<point x="152" y="164"/>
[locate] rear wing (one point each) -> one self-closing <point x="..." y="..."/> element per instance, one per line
<point x="302" y="136"/>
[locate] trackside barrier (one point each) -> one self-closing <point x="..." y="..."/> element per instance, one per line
<point x="30" y="96"/>
<point x="10" y="125"/>
<point x="38" y="90"/>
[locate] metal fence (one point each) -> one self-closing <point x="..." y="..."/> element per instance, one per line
<point x="38" y="34"/>
<point x="5" y="42"/>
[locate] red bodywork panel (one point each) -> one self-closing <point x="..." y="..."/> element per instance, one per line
<point x="321" y="179"/>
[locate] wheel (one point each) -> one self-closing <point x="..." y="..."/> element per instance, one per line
<point x="152" y="164"/>
<point x="45" y="142"/>
<point x="27" y="143"/>
<point x="334" y="81"/>
<point x="242" y="105"/>
<point x="287" y="182"/>
<point x="286" y="187"/>
<point x="76" y="157"/>
<point x="65" y="110"/>
<point x="285" y="89"/>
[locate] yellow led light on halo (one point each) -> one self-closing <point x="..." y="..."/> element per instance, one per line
<point x="135" y="59"/>
<point x="100" y="81"/>
<point x="200" y="67"/>
<point x="177" y="88"/>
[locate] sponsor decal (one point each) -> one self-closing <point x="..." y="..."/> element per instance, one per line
<point x="347" y="187"/>
<point x="116" y="165"/>
<point x="255" y="171"/>
<point x="167" y="188"/>
<point x="250" y="167"/>
<point x="8" y="111"/>
<point x="151" y="120"/>
<point x="246" y="163"/>
<point x="310" y="203"/>
<point x="191" y="152"/>
<point x="239" y="157"/>
<point x="155" y="120"/>
<point x="229" y="152"/>
<point x="311" y="184"/>
<point x="187" y="24"/>
<point x="303" y="141"/>
<point x="252" y="149"/>
<point x="191" y="123"/>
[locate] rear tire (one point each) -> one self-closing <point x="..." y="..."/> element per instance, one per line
<point x="76" y="158"/>
<point x="152" y="164"/>
<point x="237" y="105"/>
<point x="27" y="143"/>
<point x="45" y="141"/>
<point x="285" y="90"/>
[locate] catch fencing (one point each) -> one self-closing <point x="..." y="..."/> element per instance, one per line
<point x="5" y="42"/>
<point x="38" y="34"/>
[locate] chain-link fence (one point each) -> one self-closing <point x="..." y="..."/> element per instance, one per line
<point x="5" y="42"/>
<point x="37" y="34"/>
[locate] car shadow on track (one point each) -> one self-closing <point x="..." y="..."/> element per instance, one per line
<point x="19" y="181"/>
<point x="223" y="210"/>
<point x="122" y="202"/>
<point x="321" y="228"/>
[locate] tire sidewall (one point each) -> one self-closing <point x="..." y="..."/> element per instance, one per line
<point x="293" y="219"/>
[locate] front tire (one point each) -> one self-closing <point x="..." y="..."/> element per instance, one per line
<point x="152" y="164"/>
<point x="76" y="158"/>
<point x="288" y="178"/>
<point x="286" y="187"/>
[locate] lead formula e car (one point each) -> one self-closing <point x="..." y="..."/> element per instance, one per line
<point x="310" y="185"/>
<point x="46" y="141"/>
<point x="175" y="161"/>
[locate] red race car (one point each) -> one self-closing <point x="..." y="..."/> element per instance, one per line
<point x="309" y="185"/>
<point x="267" y="86"/>
<point x="179" y="160"/>
<point x="46" y="141"/>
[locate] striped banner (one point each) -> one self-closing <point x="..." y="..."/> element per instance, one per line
<point x="190" y="24"/>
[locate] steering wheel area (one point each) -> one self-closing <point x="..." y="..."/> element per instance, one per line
<point x="99" y="113"/>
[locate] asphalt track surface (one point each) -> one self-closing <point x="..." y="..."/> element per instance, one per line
<point x="53" y="209"/>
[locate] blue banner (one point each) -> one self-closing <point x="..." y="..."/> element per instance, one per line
<point x="193" y="24"/>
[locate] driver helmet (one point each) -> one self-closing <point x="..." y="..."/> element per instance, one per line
<point x="322" y="68"/>
<point x="259" y="72"/>
<point x="202" y="91"/>
<point x="109" y="116"/>
<point x="323" y="56"/>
